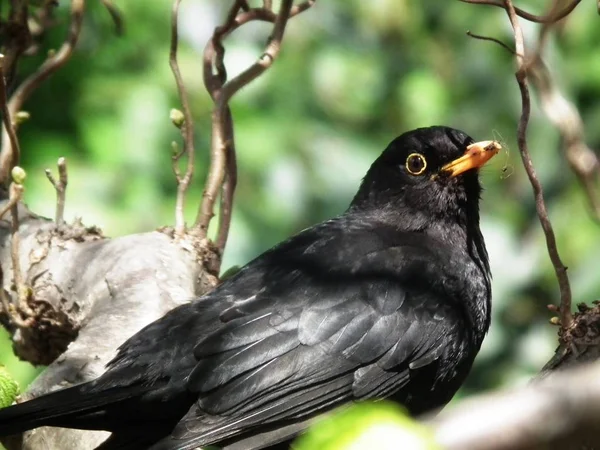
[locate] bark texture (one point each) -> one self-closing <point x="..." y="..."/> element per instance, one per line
<point x="88" y="294"/>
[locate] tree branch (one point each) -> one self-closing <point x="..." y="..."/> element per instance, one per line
<point x="222" y="171"/>
<point x="31" y="83"/>
<point x="12" y="151"/>
<point x="491" y="39"/>
<point x="558" y="412"/>
<point x="548" y="18"/>
<point x="187" y="128"/>
<point x="521" y="75"/>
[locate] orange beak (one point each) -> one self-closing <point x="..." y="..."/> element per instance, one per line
<point x="475" y="157"/>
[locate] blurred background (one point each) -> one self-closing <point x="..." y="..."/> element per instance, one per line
<point x="352" y="75"/>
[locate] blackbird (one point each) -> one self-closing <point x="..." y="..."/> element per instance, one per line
<point x="390" y="299"/>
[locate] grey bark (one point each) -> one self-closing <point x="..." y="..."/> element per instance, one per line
<point x="89" y="294"/>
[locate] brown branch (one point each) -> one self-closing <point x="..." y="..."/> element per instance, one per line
<point x="491" y="39"/>
<point x="228" y="188"/>
<point x="31" y="83"/>
<point x="16" y="193"/>
<point x="13" y="200"/>
<point x="548" y="18"/>
<point x="223" y="167"/>
<point x="22" y="292"/>
<point x="13" y="151"/>
<point x="521" y="75"/>
<point x="187" y="128"/>
<point x="115" y="15"/>
<point x="18" y="37"/>
<point x="60" y="186"/>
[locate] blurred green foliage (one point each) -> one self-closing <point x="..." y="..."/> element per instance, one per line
<point x="381" y="425"/>
<point x="352" y="75"/>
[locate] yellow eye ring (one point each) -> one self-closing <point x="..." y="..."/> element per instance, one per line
<point x="416" y="164"/>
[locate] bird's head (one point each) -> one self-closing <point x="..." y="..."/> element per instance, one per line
<point x="428" y="174"/>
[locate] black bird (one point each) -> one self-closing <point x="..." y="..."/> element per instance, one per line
<point x="389" y="299"/>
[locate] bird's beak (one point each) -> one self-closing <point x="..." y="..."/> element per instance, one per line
<point x="477" y="155"/>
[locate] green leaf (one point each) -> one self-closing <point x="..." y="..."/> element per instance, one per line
<point x="9" y="388"/>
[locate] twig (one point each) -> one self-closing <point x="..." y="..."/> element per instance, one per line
<point x="60" y="186"/>
<point x="13" y="150"/>
<point x="491" y="39"/>
<point x="521" y="75"/>
<point x="31" y="83"/>
<point x="115" y="15"/>
<point x="16" y="192"/>
<point x="228" y="189"/>
<point x="223" y="167"/>
<point x="12" y="205"/>
<point x="13" y="200"/>
<point x="187" y="128"/>
<point x="548" y="18"/>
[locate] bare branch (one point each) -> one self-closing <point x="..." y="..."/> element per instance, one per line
<point x="60" y="186"/>
<point x="16" y="194"/>
<point x="13" y="151"/>
<point x="491" y="39"/>
<point x="556" y="412"/>
<point x="187" y="128"/>
<point x="548" y="18"/>
<point x="223" y="166"/>
<point x="115" y="15"/>
<point x="31" y="83"/>
<point x="521" y="75"/>
<point x="229" y="185"/>
<point x="15" y="313"/>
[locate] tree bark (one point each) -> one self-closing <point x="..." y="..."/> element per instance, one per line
<point x="88" y="295"/>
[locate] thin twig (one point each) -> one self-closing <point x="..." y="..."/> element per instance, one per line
<point x="187" y="128"/>
<point x="60" y="186"/>
<point x="548" y="18"/>
<point x="521" y="75"/>
<point x="31" y="83"/>
<point x="491" y="39"/>
<point x="115" y="15"/>
<point x="15" y="244"/>
<point x="222" y="165"/>
<point x="10" y="140"/>
<point x="14" y="314"/>
<point x="13" y="199"/>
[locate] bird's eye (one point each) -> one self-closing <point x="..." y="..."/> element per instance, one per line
<point x="416" y="164"/>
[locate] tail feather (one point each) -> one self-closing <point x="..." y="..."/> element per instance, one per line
<point x="74" y="407"/>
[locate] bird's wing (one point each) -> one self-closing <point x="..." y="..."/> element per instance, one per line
<point x="315" y="337"/>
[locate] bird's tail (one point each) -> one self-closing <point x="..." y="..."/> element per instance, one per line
<point x="74" y="407"/>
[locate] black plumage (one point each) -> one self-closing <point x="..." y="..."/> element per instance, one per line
<point x="389" y="299"/>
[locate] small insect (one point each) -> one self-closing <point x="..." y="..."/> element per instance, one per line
<point x="507" y="169"/>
